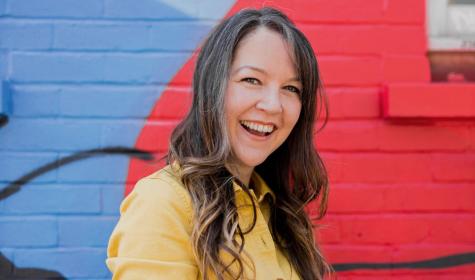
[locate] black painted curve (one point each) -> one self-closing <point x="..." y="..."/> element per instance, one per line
<point x="7" y="269"/>
<point x="16" y="185"/>
<point x="435" y="263"/>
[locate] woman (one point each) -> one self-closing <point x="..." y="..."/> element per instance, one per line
<point x="243" y="166"/>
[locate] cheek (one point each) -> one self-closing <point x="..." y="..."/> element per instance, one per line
<point x="293" y="112"/>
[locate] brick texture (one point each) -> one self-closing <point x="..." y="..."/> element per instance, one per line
<point x="96" y="74"/>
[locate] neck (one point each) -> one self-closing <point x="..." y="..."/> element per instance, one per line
<point x="240" y="172"/>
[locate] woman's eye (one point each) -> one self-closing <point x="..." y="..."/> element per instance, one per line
<point x="252" y="81"/>
<point x="292" y="89"/>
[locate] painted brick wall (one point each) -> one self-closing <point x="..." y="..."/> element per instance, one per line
<point x="104" y="75"/>
<point x="79" y="76"/>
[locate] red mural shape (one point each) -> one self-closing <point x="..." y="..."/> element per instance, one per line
<point x="402" y="190"/>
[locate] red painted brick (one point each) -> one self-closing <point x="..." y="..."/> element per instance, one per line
<point x="471" y="138"/>
<point x="354" y="71"/>
<point x="326" y="233"/>
<point x="400" y="229"/>
<point x="406" y="69"/>
<point x="406" y="11"/>
<point x="346" y="253"/>
<point x="184" y="76"/>
<point x="377" y="135"/>
<point x="355" y="198"/>
<point x="335" y="165"/>
<point x="338" y="10"/>
<point x="402" y="198"/>
<point x="378" y="275"/>
<point x="348" y="136"/>
<point x="429" y="100"/>
<point x="366" y="39"/>
<point x="405" y="136"/>
<point x="344" y="39"/>
<point x="353" y="103"/>
<point x="404" y="39"/>
<point x="174" y="104"/>
<point x="453" y="167"/>
<point x="380" y="168"/>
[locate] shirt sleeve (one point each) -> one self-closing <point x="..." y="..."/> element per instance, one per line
<point x="152" y="238"/>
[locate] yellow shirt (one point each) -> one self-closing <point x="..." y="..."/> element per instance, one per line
<point x="152" y="237"/>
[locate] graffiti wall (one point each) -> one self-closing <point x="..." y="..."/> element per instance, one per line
<point x="92" y="89"/>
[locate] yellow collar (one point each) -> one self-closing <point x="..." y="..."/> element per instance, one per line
<point x="261" y="189"/>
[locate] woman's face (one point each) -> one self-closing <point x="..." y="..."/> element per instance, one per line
<point x="262" y="102"/>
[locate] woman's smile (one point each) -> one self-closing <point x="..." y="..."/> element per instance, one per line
<point x="258" y="128"/>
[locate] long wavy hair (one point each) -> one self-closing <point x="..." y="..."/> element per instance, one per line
<point x="295" y="171"/>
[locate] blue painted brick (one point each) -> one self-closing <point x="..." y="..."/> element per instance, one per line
<point x="211" y="9"/>
<point x="150" y="9"/>
<point x="35" y="101"/>
<point x="96" y="101"/>
<point x="15" y="165"/>
<point x="102" y="37"/>
<point x="121" y="133"/>
<point x="85" y="231"/>
<point x="99" y="68"/>
<point x="5" y="98"/>
<point x="3" y="7"/>
<point x="178" y="36"/>
<point x="28" y="232"/>
<point x="25" y="36"/>
<point x="111" y="198"/>
<point x="84" y="262"/>
<point x="54" y="199"/>
<point x="90" y="278"/>
<point x="3" y="63"/>
<point x="143" y="68"/>
<point x="100" y="169"/>
<point x="61" y="67"/>
<point x="50" y="135"/>
<point x="56" y="8"/>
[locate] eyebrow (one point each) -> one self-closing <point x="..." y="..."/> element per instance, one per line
<point x="261" y="71"/>
<point x="250" y="67"/>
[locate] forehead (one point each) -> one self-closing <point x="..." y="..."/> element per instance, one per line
<point x="266" y="49"/>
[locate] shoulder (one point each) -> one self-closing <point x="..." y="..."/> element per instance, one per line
<point x="152" y="237"/>
<point x="160" y="192"/>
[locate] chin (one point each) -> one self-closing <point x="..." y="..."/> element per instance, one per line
<point x="252" y="161"/>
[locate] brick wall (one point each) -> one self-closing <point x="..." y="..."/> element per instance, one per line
<point x="91" y="75"/>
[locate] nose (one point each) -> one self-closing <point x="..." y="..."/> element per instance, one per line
<point x="270" y="101"/>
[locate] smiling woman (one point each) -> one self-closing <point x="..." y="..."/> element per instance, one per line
<point x="242" y="166"/>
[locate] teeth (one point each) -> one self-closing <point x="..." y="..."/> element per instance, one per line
<point x="258" y="127"/>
